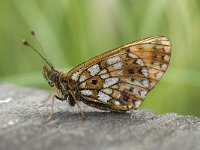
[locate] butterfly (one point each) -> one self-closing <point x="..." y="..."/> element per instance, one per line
<point x="116" y="80"/>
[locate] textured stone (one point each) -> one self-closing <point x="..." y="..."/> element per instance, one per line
<point x="21" y="127"/>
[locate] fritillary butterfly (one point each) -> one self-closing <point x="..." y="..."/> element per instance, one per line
<point x="116" y="80"/>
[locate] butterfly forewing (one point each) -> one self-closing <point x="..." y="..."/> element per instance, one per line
<point x="121" y="78"/>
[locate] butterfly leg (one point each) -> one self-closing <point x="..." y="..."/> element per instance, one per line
<point x="81" y="112"/>
<point x="51" y="113"/>
<point x="74" y="100"/>
<point x="50" y="93"/>
<point x="61" y="99"/>
<point x="47" y="98"/>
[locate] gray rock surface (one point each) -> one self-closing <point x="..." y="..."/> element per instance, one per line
<point x="21" y="127"/>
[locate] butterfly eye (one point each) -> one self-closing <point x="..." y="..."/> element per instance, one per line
<point x="53" y="76"/>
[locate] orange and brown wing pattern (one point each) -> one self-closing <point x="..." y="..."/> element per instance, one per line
<point x="121" y="78"/>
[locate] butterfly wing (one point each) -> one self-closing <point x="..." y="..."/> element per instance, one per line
<point x="121" y="78"/>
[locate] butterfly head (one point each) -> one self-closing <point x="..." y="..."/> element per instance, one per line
<point x="51" y="75"/>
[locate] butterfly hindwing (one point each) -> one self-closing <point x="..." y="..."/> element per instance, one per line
<point x="120" y="79"/>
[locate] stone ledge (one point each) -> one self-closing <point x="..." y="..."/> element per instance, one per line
<point x="21" y="128"/>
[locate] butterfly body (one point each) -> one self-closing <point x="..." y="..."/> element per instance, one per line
<point x="116" y="80"/>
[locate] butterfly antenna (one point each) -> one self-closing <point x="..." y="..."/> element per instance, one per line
<point x="40" y="45"/>
<point x="26" y="43"/>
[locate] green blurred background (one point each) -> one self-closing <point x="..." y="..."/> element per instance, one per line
<point x="72" y="31"/>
